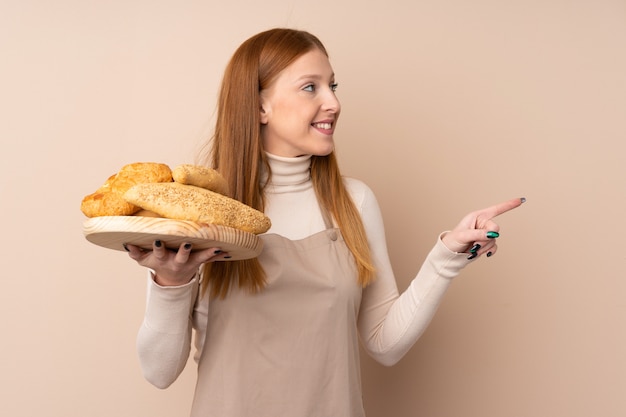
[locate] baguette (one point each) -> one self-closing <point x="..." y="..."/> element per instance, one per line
<point x="188" y="202"/>
<point x="200" y="177"/>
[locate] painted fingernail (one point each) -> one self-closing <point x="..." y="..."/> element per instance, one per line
<point x="472" y="256"/>
<point x="158" y="243"/>
<point x="523" y="199"/>
<point x="492" y="235"/>
<point x="217" y="252"/>
<point x="227" y="257"/>
<point x="475" y="248"/>
<point x="125" y="247"/>
<point x="489" y="254"/>
<point x="187" y="246"/>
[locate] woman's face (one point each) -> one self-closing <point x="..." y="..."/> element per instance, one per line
<point x="299" y="110"/>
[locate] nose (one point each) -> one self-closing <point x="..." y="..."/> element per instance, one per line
<point x="331" y="102"/>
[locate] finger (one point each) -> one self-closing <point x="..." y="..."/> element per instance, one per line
<point x="482" y="246"/>
<point x="182" y="256"/>
<point x="473" y="236"/>
<point x="488" y="247"/>
<point x="221" y="255"/>
<point x="492" y="252"/>
<point x="488" y="253"/>
<point x="135" y="252"/>
<point x="209" y="255"/>
<point x="159" y="250"/>
<point x="478" y="250"/>
<point x="501" y="208"/>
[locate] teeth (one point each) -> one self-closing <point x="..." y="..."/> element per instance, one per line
<point x="322" y="125"/>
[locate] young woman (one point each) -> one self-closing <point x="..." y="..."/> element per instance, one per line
<point x="278" y="335"/>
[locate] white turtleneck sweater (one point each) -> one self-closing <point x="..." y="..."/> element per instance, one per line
<point x="389" y="323"/>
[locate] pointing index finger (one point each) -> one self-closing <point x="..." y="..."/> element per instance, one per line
<point x="501" y="208"/>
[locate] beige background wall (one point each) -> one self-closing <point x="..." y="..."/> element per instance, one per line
<point x="448" y="106"/>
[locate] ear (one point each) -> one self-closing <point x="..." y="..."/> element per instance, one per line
<point x="262" y="112"/>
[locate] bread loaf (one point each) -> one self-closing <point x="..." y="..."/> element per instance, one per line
<point x="188" y="202"/>
<point x="108" y="200"/>
<point x="200" y="177"/>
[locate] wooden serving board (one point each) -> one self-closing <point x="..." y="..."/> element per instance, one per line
<point x="113" y="231"/>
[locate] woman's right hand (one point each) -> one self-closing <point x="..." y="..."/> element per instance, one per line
<point x="172" y="267"/>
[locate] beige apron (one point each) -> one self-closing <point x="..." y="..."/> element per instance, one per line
<point x="291" y="350"/>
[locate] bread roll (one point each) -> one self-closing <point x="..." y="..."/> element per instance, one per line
<point x="188" y="202"/>
<point x="104" y="202"/>
<point x="200" y="177"/>
<point x="108" y="200"/>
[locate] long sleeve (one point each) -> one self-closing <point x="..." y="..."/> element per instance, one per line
<point x="390" y="323"/>
<point x="164" y="338"/>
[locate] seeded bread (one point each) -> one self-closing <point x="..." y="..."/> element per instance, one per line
<point x="188" y="202"/>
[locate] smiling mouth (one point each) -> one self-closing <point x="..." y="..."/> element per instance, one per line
<point x="322" y="125"/>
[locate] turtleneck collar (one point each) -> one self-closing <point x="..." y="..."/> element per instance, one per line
<point x="289" y="173"/>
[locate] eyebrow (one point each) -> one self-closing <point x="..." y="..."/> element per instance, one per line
<point x="314" y="76"/>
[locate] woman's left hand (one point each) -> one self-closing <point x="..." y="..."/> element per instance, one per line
<point x="476" y="233"/>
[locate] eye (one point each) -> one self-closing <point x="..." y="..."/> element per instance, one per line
<point x="311" y="87"/>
